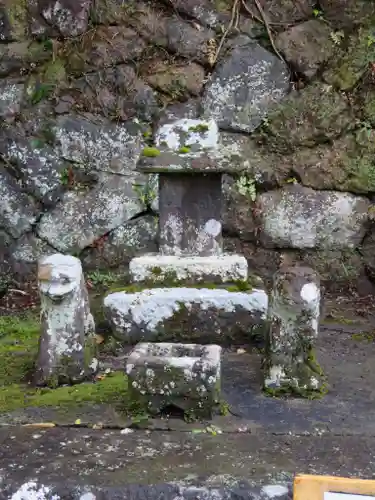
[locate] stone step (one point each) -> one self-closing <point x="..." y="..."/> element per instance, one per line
<point x="163" y="268"/>
<point x="198" y="315"/>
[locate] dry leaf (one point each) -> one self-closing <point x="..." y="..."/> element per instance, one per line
<point x="41" y="425"/>
<point x="99" y="339"/>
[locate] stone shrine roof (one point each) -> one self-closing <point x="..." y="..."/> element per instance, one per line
<point x="189" y="146"/>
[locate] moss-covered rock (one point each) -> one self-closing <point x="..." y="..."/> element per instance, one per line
<point x="346" y="165"/>
<point x="306" y="118"/>
<point x="351" y="64"/>
<point x="13" y="20"/>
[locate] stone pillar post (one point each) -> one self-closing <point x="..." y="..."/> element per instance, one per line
<point x="294" y="310"/>
<point x="67" y="345"/>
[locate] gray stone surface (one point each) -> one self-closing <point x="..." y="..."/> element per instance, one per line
<point x="189" y="214"/>
<point x="105" y="147"/>
<point x="129" y="240"/>
<point x="81" y="218"/>
<point x="66" y="347"/>
<point x="17" y="210"/>
<point x="306" y="46"/>
<point x="11" y="96"/>
<point x="200" y="315"/>
<point x="299" y="217"/>
<point x="293" y="314"/>
<point x="37" y="165"/>
<point x="244" y="86"/>
<point x="185" y="376"/>
<point x="68" y="17"/>
<point x="157" y="268"/>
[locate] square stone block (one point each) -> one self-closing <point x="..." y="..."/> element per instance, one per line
<point x="201" y="315"/>
<point x="187" y="376"/>
<point x="156" y="268"/>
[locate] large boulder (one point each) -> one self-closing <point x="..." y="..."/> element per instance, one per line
<point x="299" y="217"/>
<point x="244" y="86"/>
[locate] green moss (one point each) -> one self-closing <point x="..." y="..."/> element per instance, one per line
<point x="156" y="270"/>
<point x="201" y="127"/>
<point x="184" y="150"/>
<point x="302" y="372"/>
<point x="19" y="339"/>
<point x="111" y="390"/>
<point x="17" y="14"/>
<point x="151" y="152"/>
<point x="364" y="336"/>
<point x="54" y="72"/>
<point x="172" y="282"/>
<point x="352" y="63"/>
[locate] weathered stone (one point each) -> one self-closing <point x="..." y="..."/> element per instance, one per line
<point x="345" y="165"/>
<point x="294" y="311"/>
<point x="284" y="11"/>
<point x="306" y="46"/>
<point x="178" y="80"/>
<point x="181" y="110"/>
<point x="346" y="13"/>
<point x="116" y="93"/>
<point x="193" y="145"/>
<point x="80" y="219"/>
<point x="13" y="22"/>
<point x="106" y="147"/>
<point x="36" y="165"/>
<point x="163" y="268"/>
<point x="17" y="211"/>
<point x="20" y="57"/>
<point x="11" y="96"/>
<point x="6" y="270"/>
<point x="28" y="249"/>
<point x="367" y="251"/>
<point x="205" y="11"/>
<point x="105" y="47"/>
<point x="66" y="348"/>
<point x="314" y="115"/>
<point x="185" y="376"/>
<point x="299" y="217"/>
<point x="68" y="17"/>
<point x="207" y="315"/>
<point x="123" y="243"/>
<point x="171" y="32"/>
<point x="244" y="86"/>
<point x="189" y="214"/>
<point x="351" y="64"/>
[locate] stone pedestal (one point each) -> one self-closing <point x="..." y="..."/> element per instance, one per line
<point x="67" y="346"/>
<point x="294" y="310"/>
<point x="186" y="376"/>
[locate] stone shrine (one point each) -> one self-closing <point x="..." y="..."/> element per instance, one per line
<point x="191" y="289"/>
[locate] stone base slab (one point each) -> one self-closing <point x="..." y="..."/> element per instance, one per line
<point x="161" y="268"/>
<point x="187" y="376"/>
<point x="198" y="315"/>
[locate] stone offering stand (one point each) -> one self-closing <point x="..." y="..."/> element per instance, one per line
<point x="190" y="291"/>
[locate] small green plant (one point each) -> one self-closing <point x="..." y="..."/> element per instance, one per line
<point x="224" y="408"/>
<point x="147" y="192"/>
<point x="151" y="152"/>
<point x="184" y="150"/>
<point x="64" y="177"/>
<point x="246" y="187"/>
<point x="99" y="278"/>
<point x="370" y="40"/>
<point x="318" y="13"/>
<point x="39" y="92"/>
